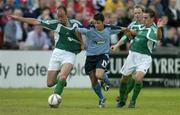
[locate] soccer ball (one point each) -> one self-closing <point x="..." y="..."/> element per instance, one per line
<point x="54" y="100"/>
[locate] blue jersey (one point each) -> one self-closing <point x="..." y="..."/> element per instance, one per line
<point x="98" y="42"/>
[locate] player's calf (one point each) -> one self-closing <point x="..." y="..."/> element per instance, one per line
<point x="102" y="103"/>
<point x="105" y="83"/>
<point x="104" y="86"/>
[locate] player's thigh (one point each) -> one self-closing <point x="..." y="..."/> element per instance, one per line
<point x="99" y="73"/>
<point x="144" y="63"/>
<point x="53" y="69"/>
<point x="139" y="76"/>
<point x="65" y="70"/>
<point x="90" y="65"/>
<point x="55" y="60"/>
<point x="52" y="74"/>
<point x="51" y="78"/>
<point x="61" y="60"/>
<point x="68" y="60"/>
<point x="101" y="65"/>
<point x="93" y="78"/>
<point x="129" y="65"/>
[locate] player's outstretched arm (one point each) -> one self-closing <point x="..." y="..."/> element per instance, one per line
<point x="160" y="24"/>
<point x="114" y="47"/>
<point x="31" y="21"/>
<point x="128" y="32"/>
<point x="79" y="37"/>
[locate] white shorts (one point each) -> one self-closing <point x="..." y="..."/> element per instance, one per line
<point x="60" y="57"/>
<point x="136" y="62"/>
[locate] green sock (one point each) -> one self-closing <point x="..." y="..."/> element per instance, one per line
<point x="59" y="87"/>
<point x="55" y="82"/>
<point x="122" y="91"/>
<point x="130" y="85"/>
<point x="136" y="91"/>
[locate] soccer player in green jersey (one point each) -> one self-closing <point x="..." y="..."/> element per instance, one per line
<point x="138" y="20"/>
<point x="139" y="58"/>
<point x="66" y="47"/>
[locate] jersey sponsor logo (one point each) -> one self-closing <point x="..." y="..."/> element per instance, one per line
<point x="67" y="34"/>
<point x="100" y="42"/>
<point x="72" y="40"/>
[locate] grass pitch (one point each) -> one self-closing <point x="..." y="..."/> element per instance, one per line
<point x="27" y="101"/>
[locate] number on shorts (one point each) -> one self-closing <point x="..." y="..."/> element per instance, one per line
<point x="104" y="63"/>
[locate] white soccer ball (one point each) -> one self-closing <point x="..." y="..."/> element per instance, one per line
<point x="54" y="100"/>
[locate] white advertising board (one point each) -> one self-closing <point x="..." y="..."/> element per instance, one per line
<point x="29" y="69"/>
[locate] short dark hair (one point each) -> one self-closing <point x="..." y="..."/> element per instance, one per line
<point x="62" y="7"/>
<point x="140" y="6"/>
<point x="99" y="16"/>
<point x="150" y="12"/>
<point x="46" y="8"/>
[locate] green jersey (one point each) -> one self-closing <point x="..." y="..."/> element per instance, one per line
<point x="145" y="39"/>
<point x="65" y="37"/>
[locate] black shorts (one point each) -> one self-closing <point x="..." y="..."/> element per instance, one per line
<point x="97" y="61"/>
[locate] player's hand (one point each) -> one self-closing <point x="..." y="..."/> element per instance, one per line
<point x="113" y="48"/>
<point x="123" y="29"/>
<point x="13" y="17"/>
<point x="162" y="22"/>
<point x="91" y="21"/>
<point x="128" y="34"/>
<point x="82" y="46"/>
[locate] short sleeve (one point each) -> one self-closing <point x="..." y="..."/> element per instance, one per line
<point x="124" y="39"/>
<point x="152" y="35"/>
<point x="115" y="29"/>
<point x="83" y="30"/>
<point x="49" y="24"/>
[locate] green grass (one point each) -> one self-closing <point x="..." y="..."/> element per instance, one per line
<point x="29" y="101"/>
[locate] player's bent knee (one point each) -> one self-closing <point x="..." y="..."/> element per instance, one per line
<point x="50" y="84"/>
<point x="63" y="77"/>
<point x="99" y="76"/>
<point x="138" y="79"/>
<point x="124" y="78"/>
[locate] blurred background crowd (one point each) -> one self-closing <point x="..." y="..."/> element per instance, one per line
<point x="21" y="36"/>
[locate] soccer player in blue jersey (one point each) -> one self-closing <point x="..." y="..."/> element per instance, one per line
<point x="97" y="52"/>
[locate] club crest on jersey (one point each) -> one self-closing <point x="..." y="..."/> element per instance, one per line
<point x="70" y="39"/>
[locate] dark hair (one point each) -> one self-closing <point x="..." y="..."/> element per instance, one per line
<point x="62" y="7"/>
<point x="99" y="16"/>
<point x="46" y="8"/>
<point x="140" y="6"/>
<point x="150" y="12"/>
